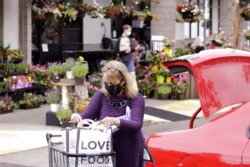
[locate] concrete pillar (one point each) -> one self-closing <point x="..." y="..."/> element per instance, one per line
<point x="1" y="20"/>
<point x="25" y="31"/>
<point x="11" y="23"/>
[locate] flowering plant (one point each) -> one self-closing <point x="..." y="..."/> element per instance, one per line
<point x="246" y="34"/>
<point x="112" y="11"/>
<point x="147" y="84"/>
<point x="95" y="83"/>
<point x="59" y="10"/>
<point x="188" y="12"/>
<point x="220" y="39"/>
<point x="40" y="75"/>
<point x="163" y="71"/>
<point x="245" y="12"/>
<point x="167" y="43"/>
<point x="144" y="14"/>
<point x="156" y="58"/>
<point x="180" y="83"/>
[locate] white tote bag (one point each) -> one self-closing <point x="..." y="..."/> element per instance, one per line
<point x="92" y="139"/>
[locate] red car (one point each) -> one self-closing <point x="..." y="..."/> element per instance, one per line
<point x="222" y="78"/>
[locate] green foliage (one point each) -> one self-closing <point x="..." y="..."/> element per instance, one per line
<point x="40" y="76"/>
<point x="164" y="89"/>
<point x="53" y="96"/>
<point x="30" y="100"/>
<point x="69" y="64"/>
<point x="163" y="71"/>
<point x="56" y="69"/>
<point x="147" y="83"/>
<point x="4" y="86"/>
<point x="6" y="103"/>
<point x="80" y="70"/>
<point x="181" y="52"/>
<point x="22" y="68"/>
<point x="7" y="69"/>
<point x="64" y="115"/>
<point x="95" y="83"/>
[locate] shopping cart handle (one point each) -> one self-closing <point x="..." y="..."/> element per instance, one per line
<point x="49" y="136"/>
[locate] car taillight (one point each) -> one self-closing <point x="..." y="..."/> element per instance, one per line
<point x="148" y="161"/>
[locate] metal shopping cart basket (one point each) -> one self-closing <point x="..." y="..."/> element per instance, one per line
<point x="60" y="158"/>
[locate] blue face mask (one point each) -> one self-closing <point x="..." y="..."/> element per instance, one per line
<point x="114" y="90"/>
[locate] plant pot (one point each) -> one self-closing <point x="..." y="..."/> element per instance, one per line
<point x="69" y="75"/>
<point x="163" y="96"/>
<point x="79" y="81"/>
<point x="187" y="15"/>
<point x="216" y="43"/>
<point x="168" y="80"/>
<point x="160" y="79"/>
<point x="5" y="110"/>
<point x="54" y="107"/>
<point x="55" y="78"/>
<point x="67" y="124"/>
<point x="180" y="96"/>
<point x="24" y="106"/>
<point x="155" y="68"/>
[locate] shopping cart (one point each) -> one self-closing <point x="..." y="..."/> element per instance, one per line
<point x="60" y="158"/>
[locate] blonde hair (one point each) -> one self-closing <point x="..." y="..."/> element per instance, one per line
<point x="131" y="88"/>
<point x="126" y="27"/>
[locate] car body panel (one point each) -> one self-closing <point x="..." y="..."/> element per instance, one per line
<point x="222" y="79"/>
<point x="209" y="67"/>
<point x="246" y="155"/>
<point x="191" y="142"/>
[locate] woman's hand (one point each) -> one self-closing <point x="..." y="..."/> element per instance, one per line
<point x="109" y="121"/>
<point x="76" y="118"/>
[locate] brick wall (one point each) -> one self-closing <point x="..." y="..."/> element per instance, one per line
<point x="165" y="10"/>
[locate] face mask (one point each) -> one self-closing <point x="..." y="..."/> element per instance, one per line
<point x="114" y="90"/>
<point x="128" y="33"/>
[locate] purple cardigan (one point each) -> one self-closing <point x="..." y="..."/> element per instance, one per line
<point x="128" y="141"/>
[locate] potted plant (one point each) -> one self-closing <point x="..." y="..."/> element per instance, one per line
<point x="64" y="116"/>
<point x="53" y="97"/>
<point x="68" y="65"/>
<point x="188" y="12"/>
<point x="15" y="56"/>
<point x="6" y="104"/>
<point x="167" y="46"/>
<point x="147" y="84"/>
<point x="4" y="53"/>
<point x="56" y="72"/>
<point x="161" y="74"/>
<point x="179" y="86"/>
<point x="246" y="34"/>
<point x="30" y="100"/>
<point x="245" y="13"/>
<point x="22" y="68"/>
<point x="164" y="91"/>
<point x="80" y="70"/>
<point x="220" y="39"/>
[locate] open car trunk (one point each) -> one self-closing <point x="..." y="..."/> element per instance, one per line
<point x="214" y="78"/>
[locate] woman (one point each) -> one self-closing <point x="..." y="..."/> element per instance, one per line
<point x="107" y="105"/>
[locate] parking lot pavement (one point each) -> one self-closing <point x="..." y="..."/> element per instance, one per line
<point x="23" y="131"/>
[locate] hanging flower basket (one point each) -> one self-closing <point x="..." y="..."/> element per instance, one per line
<point x="246" y="34"/>
<point x="245" y="13"/>
<point x="188" y="12"/>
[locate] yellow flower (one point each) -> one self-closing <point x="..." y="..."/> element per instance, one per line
<point x="166" y="50"/>
<point x="80" y="59"/>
